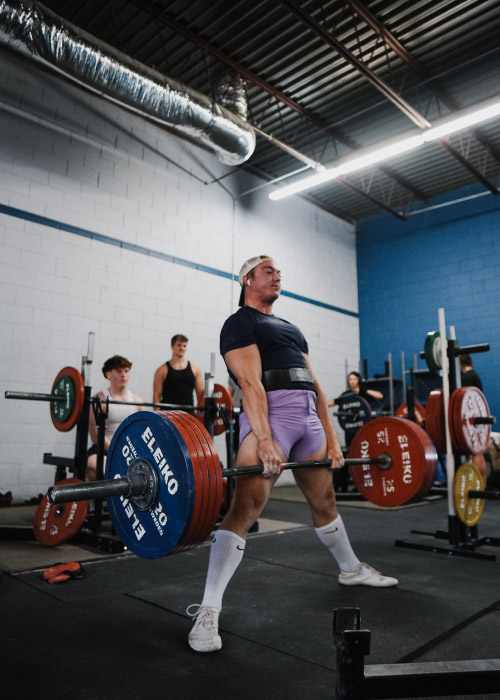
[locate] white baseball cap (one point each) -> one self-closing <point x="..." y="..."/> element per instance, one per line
<point x="250" y="264"/>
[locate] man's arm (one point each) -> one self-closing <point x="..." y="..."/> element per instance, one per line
<point x="246" y="366"/>
<point x="199" y="384"/>
<point x="158" y="380"/>
<point x="332" y="443"/>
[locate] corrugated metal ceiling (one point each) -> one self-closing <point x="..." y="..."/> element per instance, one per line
<point x="328" y="78"/>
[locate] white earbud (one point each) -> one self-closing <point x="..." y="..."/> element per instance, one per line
<point x="248" y="282"/>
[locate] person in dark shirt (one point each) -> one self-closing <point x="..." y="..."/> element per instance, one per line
<point x="285" y="417"/>
<point x="175" y="381"/>
<point x="470" y="377"/>
<point x="468" y="374"/>
<point x="357" y="386"/>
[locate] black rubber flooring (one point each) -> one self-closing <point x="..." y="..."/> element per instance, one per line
<point x="121" y="632"/>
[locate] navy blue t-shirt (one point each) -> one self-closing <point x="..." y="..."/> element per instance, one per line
<point x="280" y="343"/>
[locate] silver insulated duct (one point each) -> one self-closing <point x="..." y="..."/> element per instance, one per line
<point x="35" y="31"/>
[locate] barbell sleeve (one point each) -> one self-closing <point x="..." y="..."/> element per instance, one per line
<point x="29" y="396"/>
<point x="122" y="486"/>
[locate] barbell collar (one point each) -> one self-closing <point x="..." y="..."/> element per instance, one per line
<point x="29" y="396"/>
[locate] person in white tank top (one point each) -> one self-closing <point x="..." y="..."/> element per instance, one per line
<point x="117" y="371"/>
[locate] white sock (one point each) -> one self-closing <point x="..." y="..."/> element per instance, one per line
<point x="334" y="537"/>
<point x="225" y="555"/>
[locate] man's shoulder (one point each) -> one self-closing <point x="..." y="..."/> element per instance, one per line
<point x="243" y="315"/>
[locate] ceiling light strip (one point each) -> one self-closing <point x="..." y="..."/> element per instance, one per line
<point x="372" y="156"/>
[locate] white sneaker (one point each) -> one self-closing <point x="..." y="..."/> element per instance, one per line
<point x="204" y="635"/>
<point x="366" y="576"/>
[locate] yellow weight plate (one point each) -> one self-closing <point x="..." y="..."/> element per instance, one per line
<point x="468" y="478"/>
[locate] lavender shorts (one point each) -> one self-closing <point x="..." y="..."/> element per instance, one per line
<point x="295" y="424"/>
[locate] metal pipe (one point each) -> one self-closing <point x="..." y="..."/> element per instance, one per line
<point x="33" y="30"/>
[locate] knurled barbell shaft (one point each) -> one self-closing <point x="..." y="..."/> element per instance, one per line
<point x="130" y="487"/>
<point x="258" y="468"/>
<point x="29" y="396"/>
<point x="168" y="406"/>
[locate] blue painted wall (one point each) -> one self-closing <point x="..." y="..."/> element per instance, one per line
<point x="447" y="257"/>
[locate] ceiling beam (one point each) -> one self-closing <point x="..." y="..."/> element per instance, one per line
<point x="390" y="40"/>
<point x="161" y="16"/>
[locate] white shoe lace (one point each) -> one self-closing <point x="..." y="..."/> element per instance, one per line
<point x="195" y="613"/>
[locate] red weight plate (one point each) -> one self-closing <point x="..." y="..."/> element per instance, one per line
<point x="223" y="398"/>
<point x="435" y="421"/>
<point x="430" y="457"/>
<point x="185" y="542"/>
<point x="207" y="462"/>
<point x="402" y="412"/>
<point x="195" y="534"/>
<point x="213" y="467"/>
<point x="66" y="414"/>
<point x="199" y="502"/>
<point x="469" y="403"/>
<point x="58" y="523"/>
<point x="405" y="480"/>
<point x="213" y="463"/>
<point x="457" y="438"/>
<point x="218" y="485"/>
<point x="191" y="425"/>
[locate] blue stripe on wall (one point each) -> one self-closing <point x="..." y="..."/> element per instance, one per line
<point x="45" y="221"/>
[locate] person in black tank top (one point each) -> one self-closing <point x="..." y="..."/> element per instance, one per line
<point x="178" y="385"/>
<point x="175" y="380"/>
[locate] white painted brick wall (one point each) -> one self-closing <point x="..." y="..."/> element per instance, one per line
<point x="102" y="169"/>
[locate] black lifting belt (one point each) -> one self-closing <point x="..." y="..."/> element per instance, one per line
<point x="274" y="379"/>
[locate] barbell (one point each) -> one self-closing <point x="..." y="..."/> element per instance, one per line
<point x="67" y="399"/>
<point x="165" y="481"/>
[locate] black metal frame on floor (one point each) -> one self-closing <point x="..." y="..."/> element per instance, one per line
<point x="463" y="540"/>
<point x="355" y="681"/>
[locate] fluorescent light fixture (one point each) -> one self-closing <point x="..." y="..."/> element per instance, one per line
<point x="379" y="155"/>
